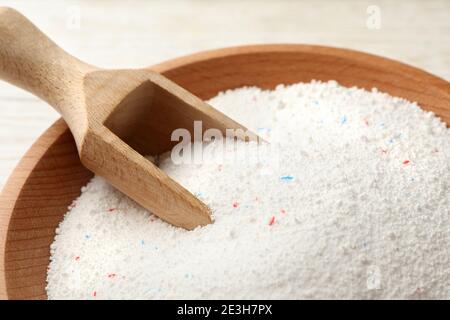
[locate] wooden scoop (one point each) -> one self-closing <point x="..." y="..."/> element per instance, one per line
<point x="105" y="108"/>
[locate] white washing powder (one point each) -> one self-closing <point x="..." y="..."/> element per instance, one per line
<point x="354" y="203"/>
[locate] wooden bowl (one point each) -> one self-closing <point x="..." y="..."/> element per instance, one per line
<point x="50" y="175"/>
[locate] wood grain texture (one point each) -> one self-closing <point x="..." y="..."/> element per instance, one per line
<point x="50" y="176"/>
<point x="413" y="31"/>
<point x="44" y="184"/>
<point x="107" y="111"/>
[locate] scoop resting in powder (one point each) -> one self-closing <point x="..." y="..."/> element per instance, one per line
<point x="350" y="200"/>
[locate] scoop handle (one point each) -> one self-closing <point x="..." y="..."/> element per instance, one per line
<point x="30" y="60"/>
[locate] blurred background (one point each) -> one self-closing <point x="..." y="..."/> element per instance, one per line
<point x="136" y="33"/>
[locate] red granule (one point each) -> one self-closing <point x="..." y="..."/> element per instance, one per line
<point x="272" y="221"/>
<point x="94" y="294"/>
<point x="283" y="211"/>
<point x="111" y="275"/>
<point x="366" y="122"/>
<point x="235" y="204"/>
<point x="405" y="162"/>
<point x="111" y="209"/>
<point x="77" y="258"/>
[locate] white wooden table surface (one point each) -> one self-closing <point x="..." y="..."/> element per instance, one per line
<point x="141" y="33"/>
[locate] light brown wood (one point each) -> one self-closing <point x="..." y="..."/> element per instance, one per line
<point x="50" y="175"/>
<point x="116" y="116"/>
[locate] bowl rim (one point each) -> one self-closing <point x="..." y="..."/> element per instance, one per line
<point x="12" y="188"/>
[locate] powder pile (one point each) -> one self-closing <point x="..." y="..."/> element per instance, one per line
<point x="354" y="203"/>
